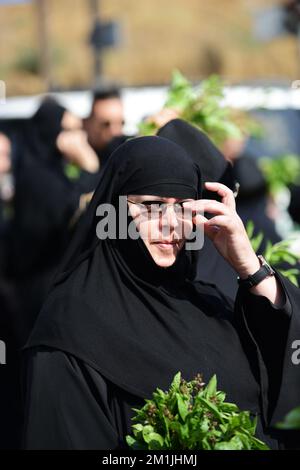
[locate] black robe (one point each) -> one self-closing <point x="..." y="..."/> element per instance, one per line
<point x="72" y="405"/>
<point x="45" y="202"/>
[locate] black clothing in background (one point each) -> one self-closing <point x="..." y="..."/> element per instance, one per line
<point x="105" y="153"/>
<point x="204" y="153"/>
<point x="294" y="206"/>
<point x="10" y="380"/>
<point x="45" y="201"/>
<point x="116" y="325"/>
<point x="251" y="202"/>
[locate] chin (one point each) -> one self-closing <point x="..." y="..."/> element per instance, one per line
<point x="163" y="261"/>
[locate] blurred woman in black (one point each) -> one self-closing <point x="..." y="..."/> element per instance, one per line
<point x="54" y="178"/>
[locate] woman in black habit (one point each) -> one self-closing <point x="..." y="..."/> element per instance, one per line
<point x="125" y="314"/>
<point x="47" y="201"/>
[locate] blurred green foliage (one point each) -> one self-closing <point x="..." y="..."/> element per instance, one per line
<point x="280" y="172"/>
<point x="291" y="420"/>
<point x="277" y="254"/>
<point x="202" y="106"/>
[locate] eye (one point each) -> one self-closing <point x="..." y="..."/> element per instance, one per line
<point x="153" y="204"/>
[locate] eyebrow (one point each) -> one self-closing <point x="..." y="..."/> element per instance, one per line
<point x="161" y="199"/>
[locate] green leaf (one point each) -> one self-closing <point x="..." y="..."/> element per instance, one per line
<point x="291" y="421"/>
<point x="138" y="431"/>
<point x="72" y="171"/>
<point x="257" y="444"/>
<point x="234" y="444"/>
<point x="250" y="228"/>
<point x="155" y="441"/>
<point x="211" y="407"/>
<point x="211" y="388"/>
<point x="280" y="172"/>
<point x="229" y="407"/>
<point x="130" y="441"/>
<point x="182" y="404"/>
<point x="147" y="128"/>
<point x="147" y="431"/>
<point x="176" y="382"/>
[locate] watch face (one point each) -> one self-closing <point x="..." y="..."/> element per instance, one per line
<point x="265" y="264"/>
<point x="262" y="260"/>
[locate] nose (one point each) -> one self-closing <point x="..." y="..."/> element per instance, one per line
<point x="116" y="129"/>
<point x="169" y="218"/>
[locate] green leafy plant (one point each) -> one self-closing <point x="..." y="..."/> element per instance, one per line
<point x="202" y="106"/>
<point x="192" y="416"/>
<point x="280" y="172"/>
<point x="276" y="254"/>
<point x="291" y="420"/>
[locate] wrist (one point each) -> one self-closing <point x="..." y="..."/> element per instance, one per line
<point x="250" y="267"/>
<point x="259" y="276"/>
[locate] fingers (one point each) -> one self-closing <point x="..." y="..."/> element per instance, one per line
<point x="221" y="221"/>
<point x="199" y="219"/>
<point x="207" y="205"/>
<point x="210" y="231"/>
<point x="223" y="191"/>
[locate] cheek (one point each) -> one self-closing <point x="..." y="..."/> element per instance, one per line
<point x="187" y="227"/>
<point x="149" y="230"/>
<point x="153" y="229"/>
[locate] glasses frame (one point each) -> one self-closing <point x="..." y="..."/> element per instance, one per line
<point x="165" y="205"/>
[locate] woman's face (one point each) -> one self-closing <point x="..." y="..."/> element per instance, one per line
<point x="163" y="229"/>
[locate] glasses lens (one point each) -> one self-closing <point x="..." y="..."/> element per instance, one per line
<point x="155" y="209"/>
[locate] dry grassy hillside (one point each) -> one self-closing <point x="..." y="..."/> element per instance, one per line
<point x="197" y="36"/>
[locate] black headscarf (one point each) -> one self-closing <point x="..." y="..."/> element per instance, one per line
<point x="43" y="130"/>
<point x="252" y="182"/>
<point x="105" y="153"/>
<point x="133" y="321"/>
<point x="211" y="162"/>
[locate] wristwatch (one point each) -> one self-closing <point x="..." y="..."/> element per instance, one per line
<point x="264" y="271"/>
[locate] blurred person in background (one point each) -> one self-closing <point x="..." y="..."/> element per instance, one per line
<point x="6" y="213"/>
<point x="10" y="397"/>
<point x="55" y="178"/>
<point x="6" y="186"/>
<point x="253" y="201"/>
<point x="105" y="123"/>
<point x="294" y="205"/>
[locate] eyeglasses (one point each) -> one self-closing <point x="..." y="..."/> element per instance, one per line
<point x="158" y="208"/>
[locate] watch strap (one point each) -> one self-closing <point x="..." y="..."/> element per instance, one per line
<point x="264" y="271"/>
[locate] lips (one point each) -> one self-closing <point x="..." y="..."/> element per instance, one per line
<point x="166" y="242"/>
<point x="167" y="245"/>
